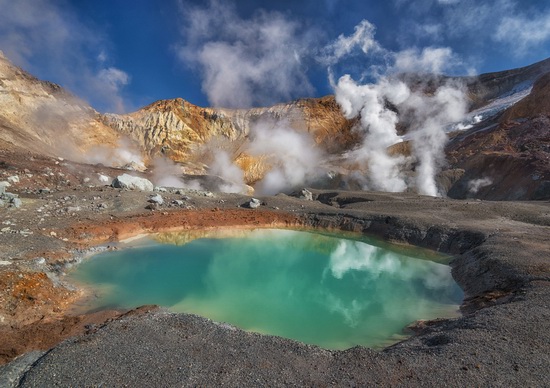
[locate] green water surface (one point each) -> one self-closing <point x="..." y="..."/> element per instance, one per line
<point x="318" y="289"/>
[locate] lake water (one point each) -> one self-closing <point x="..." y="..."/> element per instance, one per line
<point x="315" y="288"/>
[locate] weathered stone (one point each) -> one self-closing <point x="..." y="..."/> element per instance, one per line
<point x="13" y="179"/>
<point x="152" y="206"/>
<point x="135" y="166"/>
<point x="103" y="178"/>
<point x="157" y="198"/>
<point x="126" y="181"/>
<point x="254" y="203"/>
<point x="16" y="202"/>
<point x="306" y="194"/>
<point x="3" y="186"/>
<point x="9" y="196"/>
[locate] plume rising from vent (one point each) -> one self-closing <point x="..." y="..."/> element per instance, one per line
<point x="387" y="101"/>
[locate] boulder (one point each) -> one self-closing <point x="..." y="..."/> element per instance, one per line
<point x="303" y="194"/>
<point x="306" y="194"/>
<point x="103" y="178"/>
<point x="126" y="181"/>
<point x="3" y="186"/>
<point x="152" y="206"/>
<point x="156" y="198"/>
<point x="16" y="202"/>
<point x="254" y="203"/>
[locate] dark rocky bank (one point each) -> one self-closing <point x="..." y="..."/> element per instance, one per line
<point x="501" y="260"/>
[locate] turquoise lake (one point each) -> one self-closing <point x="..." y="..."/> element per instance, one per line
<point x="316" y="288"/>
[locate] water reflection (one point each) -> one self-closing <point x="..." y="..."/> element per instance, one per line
<point x="318" y="289"/>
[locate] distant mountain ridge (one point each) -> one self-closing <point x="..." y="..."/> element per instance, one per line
<point x="509" y="149"/>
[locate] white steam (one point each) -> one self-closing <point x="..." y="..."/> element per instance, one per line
<point x="379" y="124"/>
<point x="362" y="38"/>
<point x="126" y="153"/>
<point x="166" y="173"/>
<point x="294" y="158"/>
<point x="245" y="62"/>
<point x="476" y="184"/>
<point x="224" y="167"/>
<point x="432" y="60"/>
<point x="431" y="115"/>
<point x="383" y="104"/>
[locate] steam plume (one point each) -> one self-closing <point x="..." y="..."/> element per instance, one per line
<point x="379" y="123"/>
<point x="224" y="167"/>
<point x="476" y="184"/>
<point x="293" y="156"/>
<point x="382" y="104"/>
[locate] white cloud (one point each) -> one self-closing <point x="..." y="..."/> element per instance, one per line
<point x="46" y="37"/>
<point x="362" y="38"/>
<point x="433" y="60"/>
<point x="523" y="32"/>
<point x="245" y="62"/>
<point x="512" y="26"/>
<point x="112" y="80"/>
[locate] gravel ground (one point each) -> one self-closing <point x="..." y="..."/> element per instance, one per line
<point x="501" y="258"/>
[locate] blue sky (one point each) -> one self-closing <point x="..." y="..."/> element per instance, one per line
<point x="122" y="55"/>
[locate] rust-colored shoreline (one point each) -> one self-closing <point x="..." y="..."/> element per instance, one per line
<point x="43" y="313"/>
<point x="93" y="233"/>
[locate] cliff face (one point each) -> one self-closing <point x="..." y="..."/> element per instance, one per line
<point x="507" y="157"/>
<point x="176" y="127"/>
<point x="42" y="117"/>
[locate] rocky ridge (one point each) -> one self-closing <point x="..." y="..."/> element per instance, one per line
<point x="42" y="117"/>
<point x="506" y="157"/>
<point x="503" y="157"/>
<point x="176" y="128"/>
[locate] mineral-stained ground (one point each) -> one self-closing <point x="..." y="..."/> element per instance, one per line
<point x="501" y="258"/>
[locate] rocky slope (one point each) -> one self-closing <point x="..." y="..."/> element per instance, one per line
<point x="177" y="128"/>
<point x="507" y="157"/>
<point x="42" y="117"/>
<point x="486" y="87"/>
<point x="503" y="157"/>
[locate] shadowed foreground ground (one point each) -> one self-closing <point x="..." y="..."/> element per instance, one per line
<point x="501" y="260"/>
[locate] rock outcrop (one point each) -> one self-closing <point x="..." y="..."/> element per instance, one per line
<point x="509" y="149"/>
<point x="176" y="127"/>
<point x="507" y="158"/>
<point x="485" y="87"/>
<point x="43" y="118"/>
